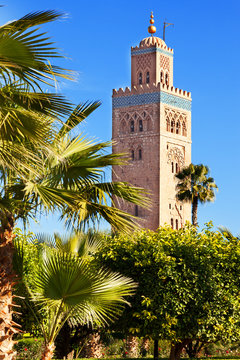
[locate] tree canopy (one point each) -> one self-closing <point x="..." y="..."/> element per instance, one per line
<point x="187" y="284"/>
<point x="66" y="285"/>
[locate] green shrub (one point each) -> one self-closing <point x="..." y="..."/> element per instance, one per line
<point x="29" y="348"/>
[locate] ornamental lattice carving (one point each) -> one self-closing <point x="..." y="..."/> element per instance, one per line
<point x="164" y="63"/>
<point x="127" y="117"/>
<point x="176" y="121"/>
<point x="143" y="62"/>
<point x="176" y="155"/>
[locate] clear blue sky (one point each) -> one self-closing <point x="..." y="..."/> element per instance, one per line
<point x="97" y="36"/>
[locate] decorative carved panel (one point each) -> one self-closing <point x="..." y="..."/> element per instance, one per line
<point x="176" y="121"/>
<point x="175" y="154"/>
<point x="164" y="63"/>
<point x="143" y="62"/>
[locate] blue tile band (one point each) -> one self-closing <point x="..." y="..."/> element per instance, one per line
<point x="151" y="50"/>
<point x="150" y="98"/>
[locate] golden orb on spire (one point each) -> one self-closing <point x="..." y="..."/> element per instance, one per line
<point x="151" y="29"/>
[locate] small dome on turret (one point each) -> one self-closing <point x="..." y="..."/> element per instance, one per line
<point x="153" y="40"/>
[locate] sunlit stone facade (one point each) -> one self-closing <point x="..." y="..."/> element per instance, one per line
<point x="152" y="123"/>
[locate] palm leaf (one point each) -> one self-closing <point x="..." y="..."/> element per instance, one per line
<point x="67" y="286"/>
<point x="31" y="19"/>
<point x="80" y="113"/>
<point x="25" y="54"/>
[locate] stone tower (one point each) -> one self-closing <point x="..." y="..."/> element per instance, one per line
<point x="152" y="124"/>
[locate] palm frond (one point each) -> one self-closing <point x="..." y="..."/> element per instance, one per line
<point x="194" y="182"/>
<point x="31" y="19"/>
<point x="80" y="113"/>
<point x="88" y="214"/>
<point x="16" y="94"/>
<point x="25" y="54"/>
<point x="72" y="288"/>
<point x="49" y="198"/>
<point x="228" y="234"/>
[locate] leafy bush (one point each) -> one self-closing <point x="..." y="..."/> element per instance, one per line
<point x="29" y="348"/>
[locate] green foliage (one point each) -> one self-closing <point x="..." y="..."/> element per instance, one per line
<point x="194" y="182"/>
<point x="25" y="53"/>
<point x="29" y="348"/>
<point x="188" y="283"/>
<point x="195" y="185"/>
<point x="26" y="265"/>
<point x="65" y="286"/>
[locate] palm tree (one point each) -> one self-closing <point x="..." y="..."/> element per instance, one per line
<point x="68" y="179"/>
<point x="43" y="169"/>
<point x="24" y="63"/>
<point x="70" y="288"/>
<point x="228" y="234"/>
<point x="194" y="185"/>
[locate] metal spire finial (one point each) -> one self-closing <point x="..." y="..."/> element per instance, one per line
<point x="151" y="29"/>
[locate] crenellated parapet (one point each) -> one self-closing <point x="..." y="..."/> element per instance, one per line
<point x="152" y="93"/>
<point x="176" y="91"/>
<point x="148" y="88"/>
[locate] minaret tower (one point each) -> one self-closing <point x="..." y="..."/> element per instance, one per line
<point x="152" y="123"/>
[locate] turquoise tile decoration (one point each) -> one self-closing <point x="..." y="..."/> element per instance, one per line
<point x="151" y="50"/>
<point x="150" y="98"/>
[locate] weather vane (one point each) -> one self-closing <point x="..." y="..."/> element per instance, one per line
<point x="165" y="24"/>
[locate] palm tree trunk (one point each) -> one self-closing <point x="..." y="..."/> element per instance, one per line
<point x="7" y="279"/>
<point x="194" y="210"/>
<point x="94" y="346"/>
<point x="48" y="351"/>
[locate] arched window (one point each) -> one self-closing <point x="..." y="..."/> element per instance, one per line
<point x="184" y="129"/>
<point x="172" y="126"/>
<point x="172" y="223"/>
<point x="176" y="224"/>
<point x="140" y="154"/>
<point x="177" y="127"/>
<point x="172" y="167"/>
<point x="140" y="78"/>
<point x="123" y="127"/>
<point x="132" y="154"/>
<point x="132" y="126"/>
<point x="161" y="77"/>
<point x="168" y="124"/>
<point x="166" y="79"/>
<point x="147" y="77"/>
<point x="136" y="210"/>
<point x="140" y="125"/>
<point x="149" y="124"/>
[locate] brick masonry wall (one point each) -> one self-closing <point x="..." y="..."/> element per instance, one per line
<point x="164" y="115"/>
<point x="141" y="172"/>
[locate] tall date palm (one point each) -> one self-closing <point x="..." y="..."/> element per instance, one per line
<point x="194" y="185"/>
<point x="42" y="168"/>
<point x="24" y="55"/>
